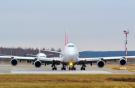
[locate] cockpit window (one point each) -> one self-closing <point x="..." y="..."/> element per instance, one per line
<point x="70" y="45"/>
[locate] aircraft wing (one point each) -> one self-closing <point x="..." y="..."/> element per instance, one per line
<point x="5" y="57"/>
<point x="106" y="58"/>
<point x="102" y="60"/>
<point x="24" y="58"/>
<point x="17" y="57"/>
<point x="53" y="59"/>
<point x="31" y="58"/>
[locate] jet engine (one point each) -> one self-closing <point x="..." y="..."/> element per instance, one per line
<point x="14" y="62"/>
<point x="123" y="62"/>
<point x="100" y="63"/>
<point x="37" y="64"/>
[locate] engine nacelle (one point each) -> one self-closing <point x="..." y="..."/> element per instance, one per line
<point x="37" y="64"/>
<point x="101" y="63"/>
<point x="123" y="62"/>
<point x="14" y="62"/>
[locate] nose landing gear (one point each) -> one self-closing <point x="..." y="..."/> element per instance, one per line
<point x="72" y="68"/>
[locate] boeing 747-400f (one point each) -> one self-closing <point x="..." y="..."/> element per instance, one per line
<point x="68" y="59"/>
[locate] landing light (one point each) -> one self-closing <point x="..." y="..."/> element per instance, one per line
<point x="70" y="64"/>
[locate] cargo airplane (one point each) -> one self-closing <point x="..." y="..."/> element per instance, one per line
<point x="68" y="59"/>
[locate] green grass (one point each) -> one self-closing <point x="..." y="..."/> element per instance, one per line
<point x="67" y="81"/>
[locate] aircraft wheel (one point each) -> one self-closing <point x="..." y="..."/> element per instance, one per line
<point x="54" y="68"/>
<point x="63" y="68"/>
<point x="82" y="68"/>
<point x="74" y="68"/>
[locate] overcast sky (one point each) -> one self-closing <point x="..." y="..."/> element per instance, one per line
<point x="91" y="24"/>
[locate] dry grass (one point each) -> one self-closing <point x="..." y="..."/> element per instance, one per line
<point x="67" y="81"/>
<point x="130" y="67"/>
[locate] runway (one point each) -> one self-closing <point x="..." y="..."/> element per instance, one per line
<point x="58" y="72"/>
<point x="30" y="69"/>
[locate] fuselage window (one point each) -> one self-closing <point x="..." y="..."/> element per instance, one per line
<point x="71" y="46"/>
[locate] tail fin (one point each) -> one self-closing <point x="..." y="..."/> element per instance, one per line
<point x="66" y="38"/>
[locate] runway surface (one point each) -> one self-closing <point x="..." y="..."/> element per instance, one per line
<point x="30" y="69"/>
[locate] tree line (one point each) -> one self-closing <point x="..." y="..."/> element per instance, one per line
<point x="19" y="51"/>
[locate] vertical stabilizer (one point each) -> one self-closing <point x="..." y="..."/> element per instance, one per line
<point x="66" y="38"/>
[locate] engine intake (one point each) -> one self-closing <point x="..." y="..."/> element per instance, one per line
<point x="14" y="62"/>
<point x="123" y="62"/>
<point x="100" y="64"/>
<point x="37" y="64"/>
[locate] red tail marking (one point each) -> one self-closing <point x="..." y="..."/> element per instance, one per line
<point x="66" y="38"/>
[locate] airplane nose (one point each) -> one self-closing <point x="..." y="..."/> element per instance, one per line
<point x="72" y="53"/>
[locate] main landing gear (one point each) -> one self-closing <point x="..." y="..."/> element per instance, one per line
<point x="83" y="67"/>
<point x="63" y="67"/>
<point x="54" y="66"/>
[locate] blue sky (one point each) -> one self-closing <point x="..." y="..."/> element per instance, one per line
<point x="91" y="24"/>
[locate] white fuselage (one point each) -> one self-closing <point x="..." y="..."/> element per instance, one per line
<point x="70" y="53"/>
<point x="41" y="56"/>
